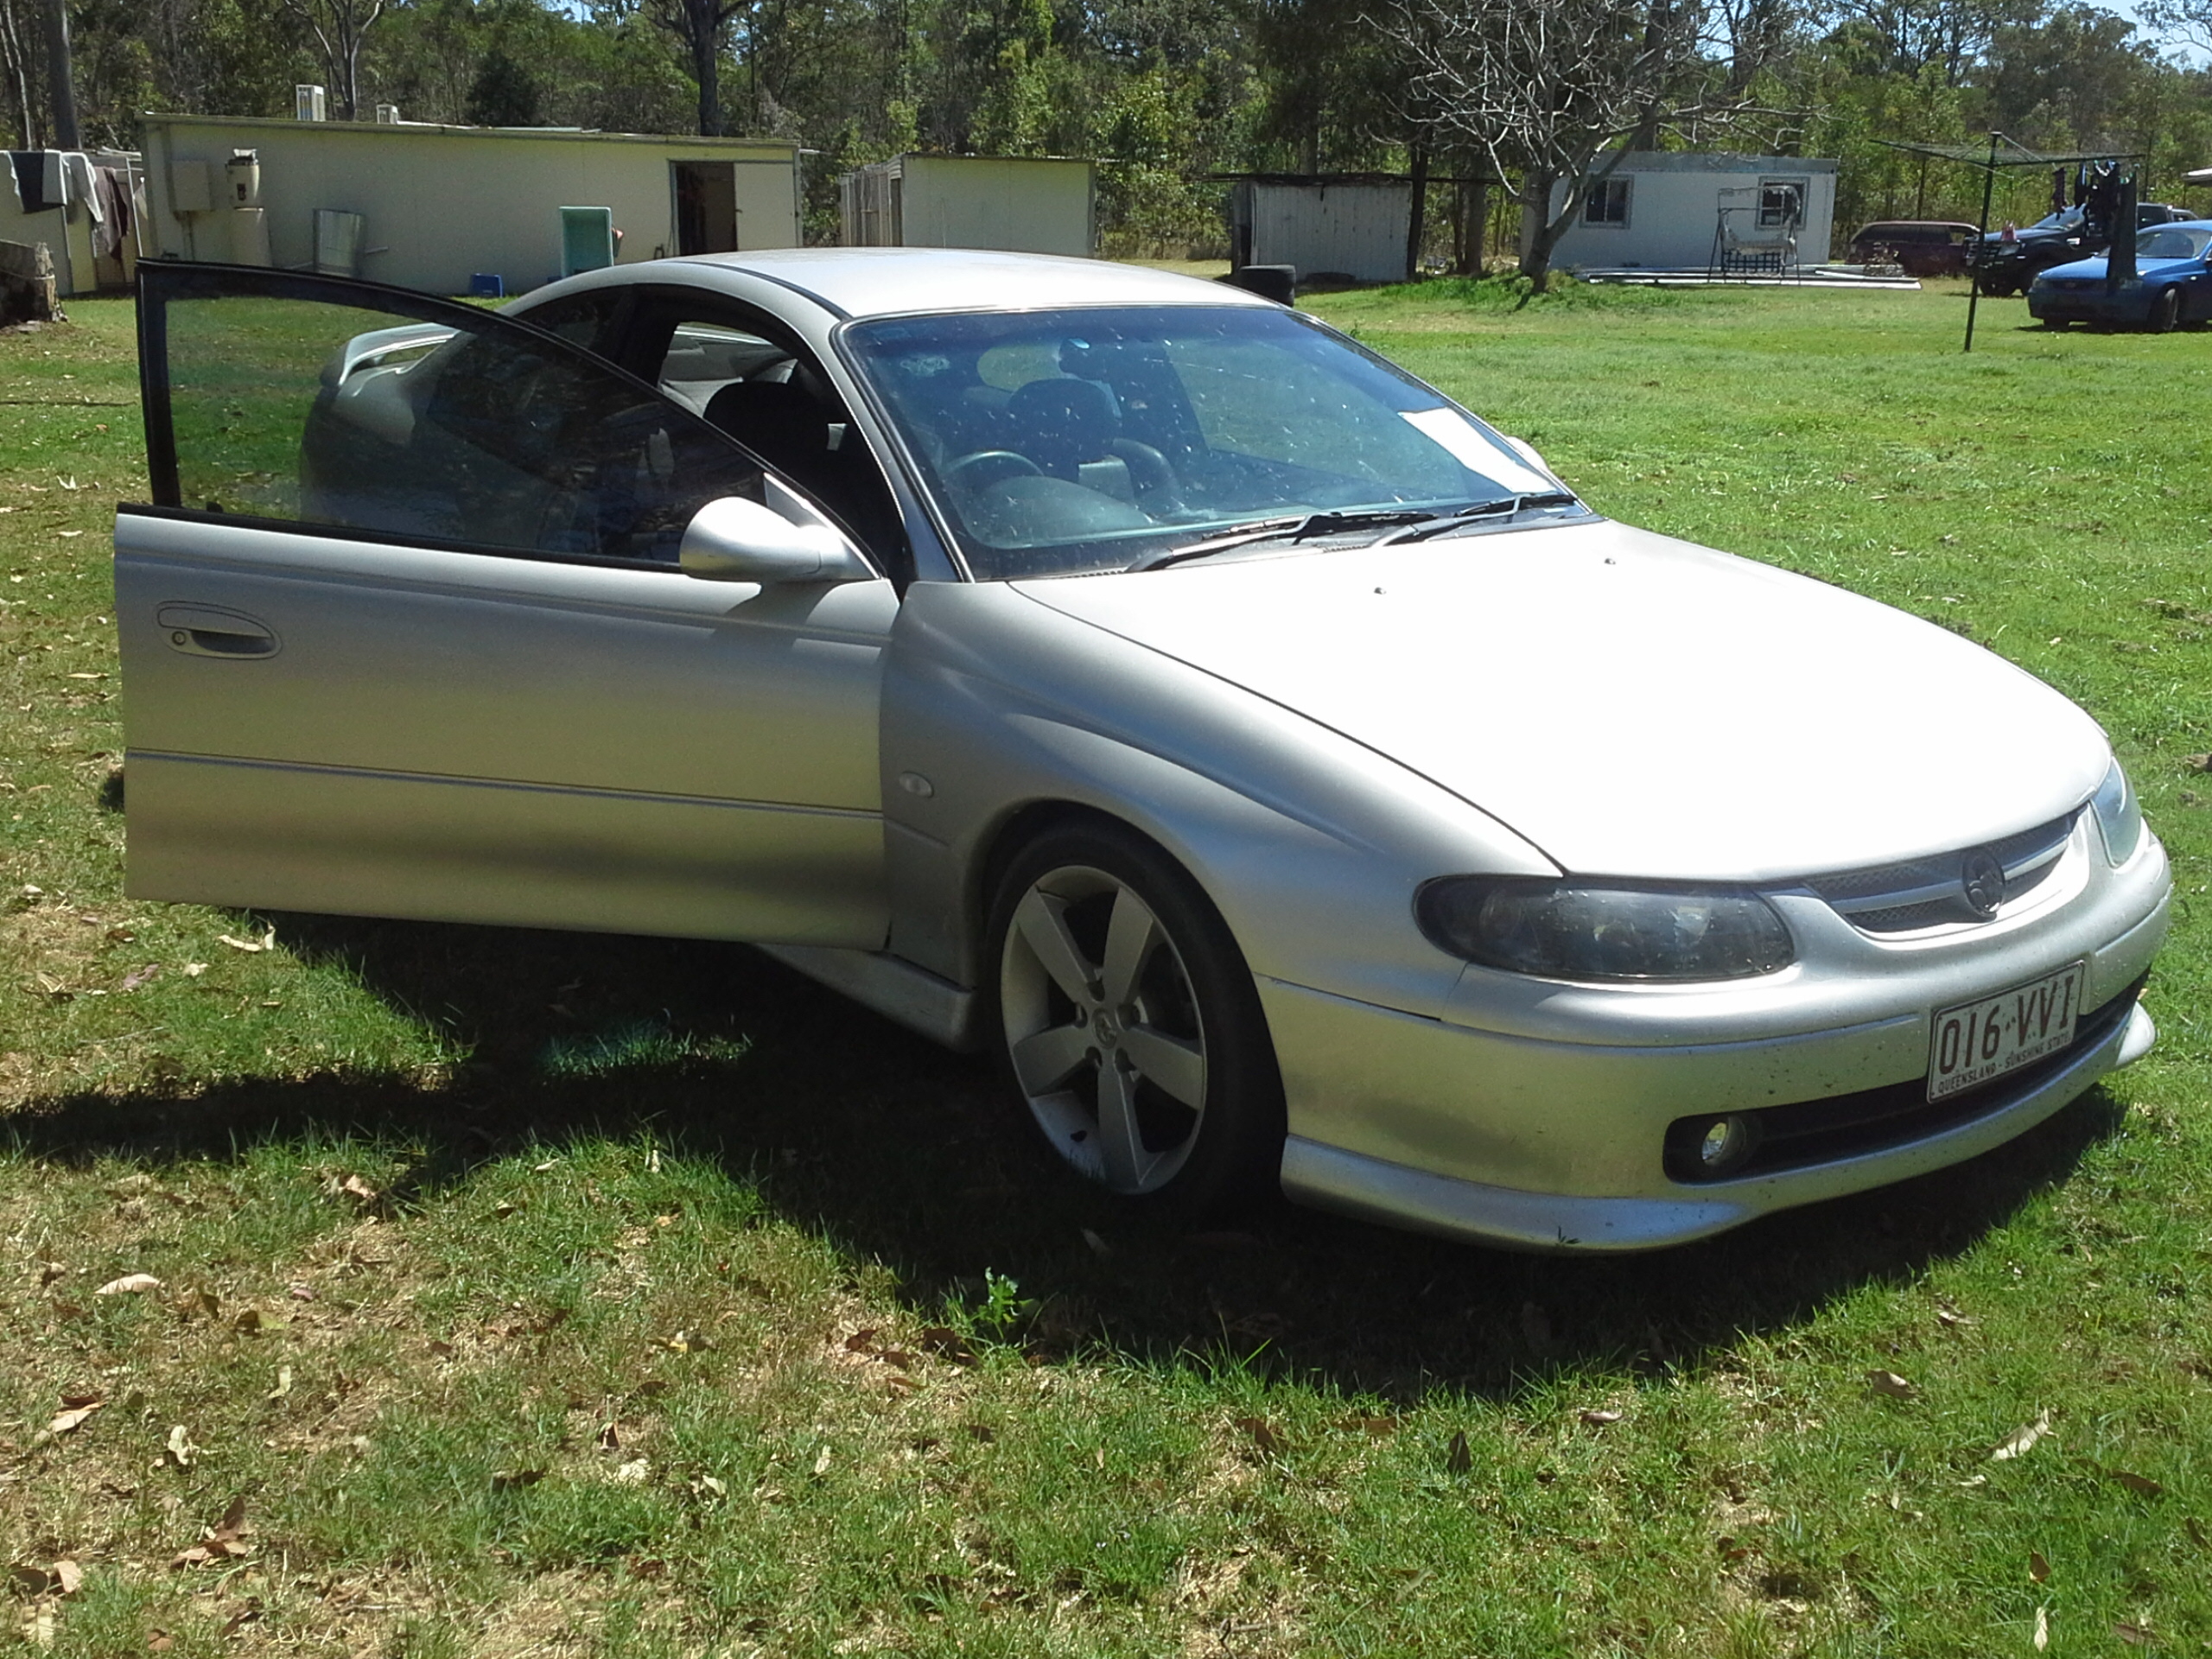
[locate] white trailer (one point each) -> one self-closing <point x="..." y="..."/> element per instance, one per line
<point x="438" y="205"/>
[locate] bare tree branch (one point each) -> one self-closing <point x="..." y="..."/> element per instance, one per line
<point x="1547" y="91"/>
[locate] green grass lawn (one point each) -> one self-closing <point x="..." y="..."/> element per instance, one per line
<point x="538" y="1295"/>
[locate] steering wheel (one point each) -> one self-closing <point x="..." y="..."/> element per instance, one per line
<point x="985" y="468"/>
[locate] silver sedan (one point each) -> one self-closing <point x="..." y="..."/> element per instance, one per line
<point x="1281" y="773"/>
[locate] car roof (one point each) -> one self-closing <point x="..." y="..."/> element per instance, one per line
<point x="885" y="282"/>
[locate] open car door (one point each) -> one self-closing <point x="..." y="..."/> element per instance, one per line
<point x="403" y="633"/>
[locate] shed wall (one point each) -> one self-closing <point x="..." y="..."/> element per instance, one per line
<point x="1349" y="230"/>
<point x="443" y="203"/>
<point x="1011" y="206"/>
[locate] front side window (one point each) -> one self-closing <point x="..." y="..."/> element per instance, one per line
<point x="1067" y="441"/>
<point x="331" y="404"/>
<point x="1607" y="203"/>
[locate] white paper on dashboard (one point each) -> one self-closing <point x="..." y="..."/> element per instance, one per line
<point x="1451" y="430"/>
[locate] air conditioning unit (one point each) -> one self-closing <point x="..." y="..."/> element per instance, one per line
<point x="309" y="103"/>
<point x="387" y="115"/>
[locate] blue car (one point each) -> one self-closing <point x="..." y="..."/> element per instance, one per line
<point x="2172" y="283"/>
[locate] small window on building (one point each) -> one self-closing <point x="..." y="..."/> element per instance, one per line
<point x="1607" y="203"/>
<point x="1782" y="201"/>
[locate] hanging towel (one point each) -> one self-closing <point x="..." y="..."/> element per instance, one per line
<point x="77" y="174"/>
<point x="110" y="216"/>
<point x="29" y="168"/>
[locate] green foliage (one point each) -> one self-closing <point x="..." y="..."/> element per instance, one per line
<point x="502" y="95"/>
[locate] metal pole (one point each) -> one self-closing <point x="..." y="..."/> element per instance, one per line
<point x="1981" y="243"/>
<point x="57" y="70"/>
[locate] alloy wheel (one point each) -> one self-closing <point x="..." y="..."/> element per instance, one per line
<point x="1104" y="1028"/>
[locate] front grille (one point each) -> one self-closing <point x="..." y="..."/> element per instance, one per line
<point x="1925" y="892"/>
<point x="1812" y="1132"/>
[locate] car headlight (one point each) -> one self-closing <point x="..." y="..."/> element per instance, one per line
<point x="2120" y="816"/>
<point x="1596" y="930"/>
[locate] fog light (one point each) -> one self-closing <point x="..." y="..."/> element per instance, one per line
<point x="1725" y="1143"/>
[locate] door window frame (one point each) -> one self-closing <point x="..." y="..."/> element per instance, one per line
<point x="163" y="281"/>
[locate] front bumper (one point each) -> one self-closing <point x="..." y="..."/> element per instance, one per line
<point x="1329" y="1178"/>
<point x="2129" y="306"/>
<point x="1547" y="1129"/>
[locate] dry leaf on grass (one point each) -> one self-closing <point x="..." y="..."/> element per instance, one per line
<point x="2136" y="1636"/>
<point x="688" y="1342"/>
<point x="131" y="1284"/>
<point x="2142" y="1484"/>
<point x="138" y="977"/>
<point x="2023" y="1440"/>
<point x="283" y="1385"/>
<point x="1099" y="1246"/>
<point x="64" y="1578"/>
<point x="2038" y="1568"/>
<point x="1457" y="1459"/>
<point x="179" y="1450"/>
<point x="822" y="1462"/>
<point x="1376" y="1426"/>
<point x="225" y="1538"/>
<point x="633" y="1473"/>
<point x="71" y="1416"/>
<point x="2043" y="1628"/>
<point x="947" y="1343"/>
<point x="49" y="1272"/>
<point x="609" y="1440"/>
<point x="1596" y="1419"/>
<point x="508" y="1480"/>
<point x="2196" y="1534"/>
<point x="252" y="947"/>
<point x="1261" y="1433"/>
<point x="1890" y="1383"/>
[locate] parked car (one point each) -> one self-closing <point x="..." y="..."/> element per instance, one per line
<point x="1921" y="247"/>
<point x="2006" y="265"/>
<point x="2172" y="284"/>
<point x="1283" y="772"/>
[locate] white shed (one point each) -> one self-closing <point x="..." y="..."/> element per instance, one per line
<point x="1353" y="227"/>
<point x="1013" y="204"/>
<point x="1661" y="209"/>
<point x="439" y="205"/>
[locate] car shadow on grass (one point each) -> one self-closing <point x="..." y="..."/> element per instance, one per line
<point x="889" y="1148"/>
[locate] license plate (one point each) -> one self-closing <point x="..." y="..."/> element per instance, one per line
<point x="1975" y="1041"/>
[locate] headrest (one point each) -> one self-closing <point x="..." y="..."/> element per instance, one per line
<point x="1062" y="422"/>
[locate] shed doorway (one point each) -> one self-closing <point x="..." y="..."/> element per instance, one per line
<point x="706" y="207"/>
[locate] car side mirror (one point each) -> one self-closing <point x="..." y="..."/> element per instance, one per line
<point x="736" y="540"/>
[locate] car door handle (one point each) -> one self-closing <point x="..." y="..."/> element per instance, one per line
<point x="209" y="631"/>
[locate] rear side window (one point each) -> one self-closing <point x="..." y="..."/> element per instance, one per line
<point x="339" y="404"/>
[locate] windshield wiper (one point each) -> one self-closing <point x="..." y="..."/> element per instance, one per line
<point x="1504" y="506"/>
<point x="1293" y="528"/>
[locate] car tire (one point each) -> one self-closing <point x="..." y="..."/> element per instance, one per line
<point x="1129" y="1025"/>
<point x="2166" y="311"/>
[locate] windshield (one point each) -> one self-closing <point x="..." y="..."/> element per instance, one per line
<point x="2067" y="218"/>
<point x="2170" y="243"/>
<point x="1061" y="443"/>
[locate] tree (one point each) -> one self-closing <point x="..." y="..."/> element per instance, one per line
<point x="502" y="95"/>
<point x="338" y="27"/>
<point x="1551" y="92"/>
<point x="702" y="27"/>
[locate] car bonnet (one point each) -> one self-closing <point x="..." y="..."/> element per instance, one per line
<point x="1633" y="705"/>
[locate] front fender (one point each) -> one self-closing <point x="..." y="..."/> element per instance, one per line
<point x="1310" y="845"/>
